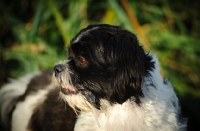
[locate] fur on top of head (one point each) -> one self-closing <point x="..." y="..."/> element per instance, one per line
<point x="104" y="62"/>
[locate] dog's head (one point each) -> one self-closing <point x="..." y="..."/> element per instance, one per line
<point x="104" y="62"/>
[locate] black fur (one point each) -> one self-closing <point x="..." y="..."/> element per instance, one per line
<point x="116" y="63"/>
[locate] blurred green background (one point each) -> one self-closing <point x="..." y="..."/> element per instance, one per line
<point x="35" y="33"/>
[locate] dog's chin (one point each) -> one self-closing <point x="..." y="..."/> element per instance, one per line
<point x="75" y="98"/>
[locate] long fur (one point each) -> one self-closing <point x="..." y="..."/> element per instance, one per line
<point x="159" y="109"/>
<point x="119" y="73"/>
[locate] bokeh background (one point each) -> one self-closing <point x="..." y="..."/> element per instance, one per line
<point x="35" y="33"/>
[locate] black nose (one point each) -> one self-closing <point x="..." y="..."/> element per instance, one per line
<point x="58" y="68"/>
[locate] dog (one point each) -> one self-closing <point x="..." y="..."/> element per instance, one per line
<point x="107" y="83"/>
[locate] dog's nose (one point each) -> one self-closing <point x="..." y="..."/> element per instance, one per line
<point x="58" y="68"/>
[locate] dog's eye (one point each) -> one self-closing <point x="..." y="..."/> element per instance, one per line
<point x="82" y="61"/>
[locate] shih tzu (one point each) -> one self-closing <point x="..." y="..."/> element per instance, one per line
<point x="108" y="83"/>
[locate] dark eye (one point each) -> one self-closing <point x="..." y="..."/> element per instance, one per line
<point x="82" y="61"/>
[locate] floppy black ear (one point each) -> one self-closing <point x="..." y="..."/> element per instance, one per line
<point x="133" y="64"/>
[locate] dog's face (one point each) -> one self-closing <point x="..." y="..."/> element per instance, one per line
<point x="104" y="62"/>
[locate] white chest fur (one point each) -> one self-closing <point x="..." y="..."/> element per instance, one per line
<point x="129" y="117"/>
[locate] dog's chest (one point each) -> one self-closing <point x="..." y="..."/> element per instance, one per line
<point x="128" y="117"/>
<point x="125" y="117"/>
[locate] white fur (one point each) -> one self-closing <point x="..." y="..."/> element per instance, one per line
<point x="10" y="92"/>
<point x="24" y="109"/>
<point x="158" y="111"/>
<point x="78" y="101"/>
<point x="84" y="33"/>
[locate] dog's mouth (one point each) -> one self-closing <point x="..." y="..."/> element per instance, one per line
<point x="71" y="90"/>
<point x="68" y="89"/>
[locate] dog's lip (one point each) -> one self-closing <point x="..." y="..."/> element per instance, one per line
<point x="68" y="89"/>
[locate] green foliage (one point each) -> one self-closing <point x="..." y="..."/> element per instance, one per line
<point x="34" y="34"/>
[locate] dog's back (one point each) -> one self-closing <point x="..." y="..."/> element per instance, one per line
<point x="31" y="103"/>
<point x="9" y="95"/>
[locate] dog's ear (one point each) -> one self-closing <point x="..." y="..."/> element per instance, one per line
<point x="133" y="64"/>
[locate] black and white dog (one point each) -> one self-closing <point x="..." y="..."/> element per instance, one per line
<point x="108" y="83"/>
